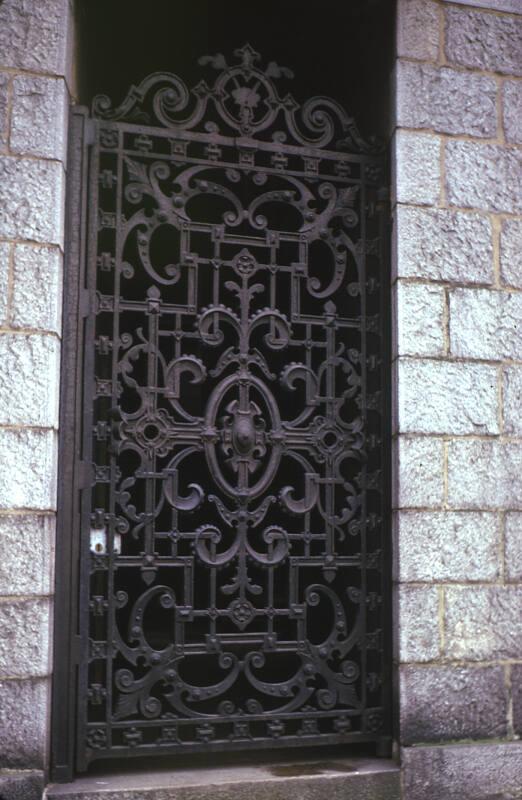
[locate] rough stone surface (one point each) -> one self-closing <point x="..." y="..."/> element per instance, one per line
<point x="445" y="100"/>
<point x="27" y="469"/>
<point x="516" y="689"/>
<point x="29" y="379"/>
<point x="31" y="195"/>
<point x="443" y="245"/>
<point x="418" y="623"/>
<point x="416" y="168"/>
<point x="484" y="41"/>
<point x="511" y="252"/>
<point x="4" y="86"/>
<point x="33" y="35"/>
<point x="512" y="111"/>
<point x="27" y="547"/>
<point x="443" y="703"/>
<point x="37" y="288"/>
<point x="463" y="772"/>
<point x="485" y="324"/>
<point x="445" y="397"/>
<point x="484" y="176"/>
<point x="513" y="6"/>
<point x="513" y="400"/>
<point x="513" y="546"/>
<point x="414" y="16"/>
<point x="24" y="638"/>
<point x="23" y="723"/>
<point x="27" y="785"/>
<point x="5" y="255"/>
<point x="447" y="546"/>
<point x="483" y="622"/>
<point x="418" y="472"/>
<point x="39" y="116"/>
<point x="485" y="474"/>
<point x="419" y="319"/>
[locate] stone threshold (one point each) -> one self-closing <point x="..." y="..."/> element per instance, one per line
<point x="332" y="779"/>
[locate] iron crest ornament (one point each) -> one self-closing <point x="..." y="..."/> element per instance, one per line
<point x="233" y="520"/>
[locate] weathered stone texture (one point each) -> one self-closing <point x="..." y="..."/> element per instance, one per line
<point x="463" y="772"/>
<point x="444" y="397"/>
<point x="484" y="41"/>
<point x="418" y="623"/>
<point x="416" y="168"/>
<point x="37" y="300"/>
<point x="447" y="546"/>
<point x="4" y="94"/>
<point x="443" y="245"/>
<point x="511" y="252"/>
<point x="418" y="470"/>
<point x="484" y="176"/>
<point x="445" y="100"/>
<point x="414" y="16"/>
<point x="29" y="379"/>
<point x="513" y="546"/>
<point x="444" y="703"/>
<point x="485" y="474"/>
<point x="483" y="622"/>
<point x="485" y="324"/>
<point x="24" y="638"/>
<point x="27" y="547"/>
<point x="33" y="35"/>
<point x="513" y="6"/>
<point x="513" y="400"/>
<point x="5" y="256"/>
<point x="27" y="785"/>
<point x="512" y="111"/>
<point x="31" y="194"/>
<point x="23" y="723"/>
<point x="516" y="684"/>
<point x="39" y="117"/>
<point x="27" y="469"/>
<point x="419" y="323"/>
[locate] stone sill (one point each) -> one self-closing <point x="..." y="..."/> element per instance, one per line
<point x="335" y="779"/>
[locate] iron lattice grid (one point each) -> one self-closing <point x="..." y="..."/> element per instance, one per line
<point x="232" y="463"/>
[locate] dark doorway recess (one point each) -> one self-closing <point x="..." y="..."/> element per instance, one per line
<point x="223" y="571"/>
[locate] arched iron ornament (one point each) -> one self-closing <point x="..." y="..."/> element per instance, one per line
<point x="234" y="404"/>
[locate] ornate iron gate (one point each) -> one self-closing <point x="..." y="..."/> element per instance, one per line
<point x="230" y="516"/>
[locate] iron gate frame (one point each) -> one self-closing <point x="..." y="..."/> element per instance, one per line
<point x="74" y="470"/>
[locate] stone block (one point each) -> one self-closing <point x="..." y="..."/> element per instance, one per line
<point x="511" y="252"/>
<point x="27" y="469"/>
<point x="24" y="638"/>
<point x="419" y="328"/>
<point x="434" y="546"/>
<point x="418" y="472"/>
<point x="29" y="379"/>
<point x="516" y="690"/>
<point x="483" y="623"/>
<point x="512" y="395"/>
<point x="484" y="41"/>
<point x="512" y="111"/>
<point x="463" y="772"/>
<point x="5" y="258"/>
<point x="37" y="288"/>
<point x="443" y="397"/>
<point x="485" y="474"/>
<point x="513" y="546"/>
<point x="484" y="176"/>
<point x="418" y="25"/>
<point x="495" y="5"/>
<point x="4" y="94"/>
<point x="416" y="168"/>
<point x="26" y="785"/>
<point x="417" y="623"/>
<point x="443" y="245"/>
<point x="23" y="723"/>
<point x="445" y="100"/>
<point x="39" y="117"/>
<point x="485" y="324"/>
<point x="438" y="704"/>
<point x="27" y="547"/>
<point x="31" y="199"/>
<point x="33" y="35"/>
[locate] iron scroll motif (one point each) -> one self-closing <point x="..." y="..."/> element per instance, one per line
<point x="237" y="500"/>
